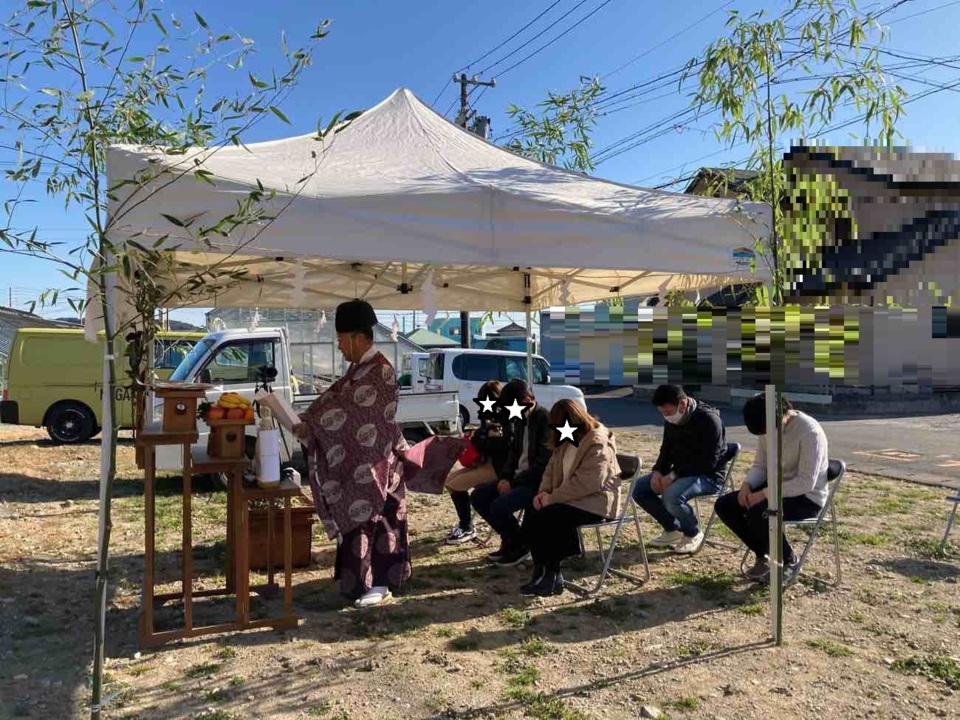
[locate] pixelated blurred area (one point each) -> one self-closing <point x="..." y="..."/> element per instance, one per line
<point x="912" y="350"/>
<point x="871" y="226"/>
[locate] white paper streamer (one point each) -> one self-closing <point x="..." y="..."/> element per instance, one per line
<point x="254" y="320"/>
<point x="429" y="298"/>
<point x="321" y="322"/>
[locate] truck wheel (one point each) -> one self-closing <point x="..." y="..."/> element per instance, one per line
<point x="69" y="423"/>
<point x="464" y="417"/>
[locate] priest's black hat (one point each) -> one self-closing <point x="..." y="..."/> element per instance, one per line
<point x="355" y="316"/>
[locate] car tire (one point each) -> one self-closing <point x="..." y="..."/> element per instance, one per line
<point x="69" y="423"/>
<point x="464" y="417"/>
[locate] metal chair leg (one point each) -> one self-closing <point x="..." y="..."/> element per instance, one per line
<point x="953" y="515"/>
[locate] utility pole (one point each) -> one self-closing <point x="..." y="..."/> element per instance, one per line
<point x="462" y="119"/>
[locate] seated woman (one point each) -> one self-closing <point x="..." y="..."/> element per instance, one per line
<point x="581" y="485"/>
<point x="805" y="462"/>
<point x="490" y="442"/>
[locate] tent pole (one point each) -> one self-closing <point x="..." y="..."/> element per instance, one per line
<point x="529" y="337"/>
<point x="774" y="509"/>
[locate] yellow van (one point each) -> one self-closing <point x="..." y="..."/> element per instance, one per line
<point x="55" y="380"/>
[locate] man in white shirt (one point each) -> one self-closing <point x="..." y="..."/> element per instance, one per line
<point x="805" y="463"/>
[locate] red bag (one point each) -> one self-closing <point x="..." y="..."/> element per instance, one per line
<point x="470" y="456"/>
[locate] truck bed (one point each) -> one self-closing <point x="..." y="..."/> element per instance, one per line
<point x="433" y="408"/>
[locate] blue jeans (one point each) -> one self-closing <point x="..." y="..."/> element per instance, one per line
<point x="673" y="510"/>
<point x="498" y="510"/>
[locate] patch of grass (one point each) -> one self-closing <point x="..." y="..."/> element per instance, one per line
<point x="534" y="646"/>
<point x="511" y="617"/>
<point x="899" y="504"/>
<point x="709" y="627"/>
<point x="917" y="580"/>
<point x="444" y="632"/>
<point x="712" y="585"/>
<point x="871" y="539"/>
<point x="932" y="667"/>
<point x="139" y="669"/>
<point x="470" y="640"/>
<point x="751" y="609"/>
<point x="929" y="548"/>
<point x="519" y="673"/>
<point x="543" y="707"/>
<point x="829" y="647"/>
<point x="320" y="709"/>
<point x="686" y="703"/>
<point x="237" y="681"/>
<point x="216" y="695"/>
<point x="226" y="653"/>
<point x="436" y="658"/>
<point x="340" y="715"/>
<point x="204" y="669"/>
<point x="857" y="617"/>
<point x="694" y="648"/>
<point x="477" y="683"/>
<point x="171" y="685"/>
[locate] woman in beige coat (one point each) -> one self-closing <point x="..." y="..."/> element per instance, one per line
<point x="580" y="486"/>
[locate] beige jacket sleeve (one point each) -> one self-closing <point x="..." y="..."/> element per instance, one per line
<point x="554" y="466"/>
<point x="586" y="479"/>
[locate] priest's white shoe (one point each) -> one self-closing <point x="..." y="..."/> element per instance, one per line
<point x="376" y="595"/>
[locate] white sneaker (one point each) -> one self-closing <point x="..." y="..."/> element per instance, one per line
<point x="688" y="545"/>
<point x="374" y="596"/>
<point x="671" y="537"/>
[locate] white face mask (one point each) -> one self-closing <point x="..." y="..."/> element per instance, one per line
<point x="675" y="418"/>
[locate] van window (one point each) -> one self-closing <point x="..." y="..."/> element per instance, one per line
<point x="541" y="371"/>
<point x="189" y="363"/>
<point x="477" y="368"/>
<point x="516" y="368"/>
<point x="239" y="362"/>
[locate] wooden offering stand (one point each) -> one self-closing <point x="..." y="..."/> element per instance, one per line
<point x="239" y="495"/>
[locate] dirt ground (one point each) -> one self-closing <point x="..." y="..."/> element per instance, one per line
<point x="460" y="642"/>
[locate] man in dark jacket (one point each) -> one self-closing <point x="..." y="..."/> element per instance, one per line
<point x="520" y="476"/>
<point x="689" y="465"/>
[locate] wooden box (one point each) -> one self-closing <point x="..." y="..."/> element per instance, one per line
<point x="179" y="406"/>
<point x="227" y="438"/>
<point x="301" y="522"/>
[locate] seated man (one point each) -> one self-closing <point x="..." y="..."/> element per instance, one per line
<point x="805" y="463"/>
<point x="520" y="476"/>
<point x="689" y="465"/>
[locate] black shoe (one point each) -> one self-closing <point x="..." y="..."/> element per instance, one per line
<point x="550" y="584"/>
<point x="513" y="556"/>
<point x="495" y="556"/>
<point x="538" y="571"/>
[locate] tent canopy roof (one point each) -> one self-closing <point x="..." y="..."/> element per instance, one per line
<point x="400" y="192"/>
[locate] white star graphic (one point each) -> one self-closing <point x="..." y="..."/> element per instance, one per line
<point x="516" y="410"/>
<point x="487" y="404"/>
<point x="566" y="431"/>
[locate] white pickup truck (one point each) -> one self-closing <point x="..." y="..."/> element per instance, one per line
<point x="232" y="360"/>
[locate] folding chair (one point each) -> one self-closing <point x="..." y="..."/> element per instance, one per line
<point x="727" y="464"/>
<point x="629" y="470"/>
<point x="953" y="514"/>
<point x="835" y="472"/>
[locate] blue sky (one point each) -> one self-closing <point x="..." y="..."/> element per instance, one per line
<point x="375" y="47"/>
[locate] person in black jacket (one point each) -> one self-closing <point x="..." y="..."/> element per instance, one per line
<point x="519" y="478"/>
<point x="491" y="444"/>
<point x="689" y="465"/>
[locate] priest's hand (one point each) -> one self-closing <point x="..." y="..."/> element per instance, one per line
<point x="503" y="487"/>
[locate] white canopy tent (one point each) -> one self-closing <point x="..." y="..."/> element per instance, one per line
<point x="370" y="211"/>
<point x="409" y="211"/>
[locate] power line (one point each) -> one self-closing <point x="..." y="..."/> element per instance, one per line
<point x="672" y="37"/>
<point x="490" y="52"/>
<point x="539" y="34"/>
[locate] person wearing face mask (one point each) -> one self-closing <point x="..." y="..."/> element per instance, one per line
<point x="805" y="463"/>
<point x="357" y="471"/>
<point x="689" y="465"/>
